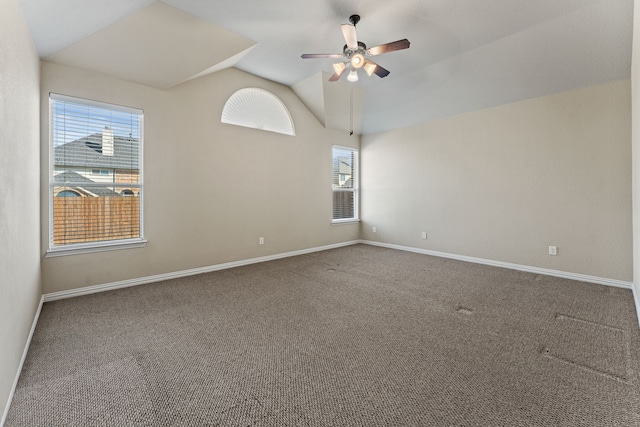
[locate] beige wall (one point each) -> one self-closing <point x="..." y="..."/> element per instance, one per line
<point x="635" y="94"/>
<point x="211" y="189"/>
<point x="19" y="192"/>
<point x="505" y="183"/>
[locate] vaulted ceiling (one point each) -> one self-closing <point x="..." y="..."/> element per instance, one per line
<point x="465" y="55"/>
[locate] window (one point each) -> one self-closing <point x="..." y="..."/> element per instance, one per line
<point x="96" y="155"/>
<point x="345" y="184"/>
<point x="67" y="193"/>
<point x="258" y="109"/>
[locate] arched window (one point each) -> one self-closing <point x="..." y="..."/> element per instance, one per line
<point x="258" y="109"/>
<point x="126" y="192"/>
<point x="68" y="193"/>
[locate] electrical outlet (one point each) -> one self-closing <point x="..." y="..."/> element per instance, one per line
<point x="375" y="229"/>
<point x="424" y="234"/>
<point x="261" y="241"/>
<point x="553" y="250"/>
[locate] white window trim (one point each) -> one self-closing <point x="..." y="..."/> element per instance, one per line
<point x="104" y="245"/>
<point x="86" y="248"/>
<point x="93" y="103"/>
<point x="356" y="190"/>
<point x="344" y="221"/>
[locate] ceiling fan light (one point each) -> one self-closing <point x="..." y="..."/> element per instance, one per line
<point x="339" y="67"/>
<point x="369" y="68"/>
<point x="353" y="76"/>
<point x="357" y="60"/>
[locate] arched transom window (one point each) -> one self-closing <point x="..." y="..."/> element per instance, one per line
<point x="258" y="109"/>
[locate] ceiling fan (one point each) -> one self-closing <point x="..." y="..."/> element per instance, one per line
<point x="354" y="54"/>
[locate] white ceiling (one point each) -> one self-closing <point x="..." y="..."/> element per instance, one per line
<point x="465" y="55"/>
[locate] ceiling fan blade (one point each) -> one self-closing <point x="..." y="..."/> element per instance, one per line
<point x="321" y="55"/>
<point x="389" y="47"/>
<point x="339" y="68"/>
<point x="349" y="33"/>
<point x="372" y="68"/>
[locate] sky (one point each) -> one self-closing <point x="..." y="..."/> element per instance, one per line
<point x="72" y="121"/>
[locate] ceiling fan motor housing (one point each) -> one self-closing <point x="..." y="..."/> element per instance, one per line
<point x="349" y="51"/>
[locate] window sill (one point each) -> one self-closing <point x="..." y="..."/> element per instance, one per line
<point x="95" y="247"/>
<point x="345" y="221"/>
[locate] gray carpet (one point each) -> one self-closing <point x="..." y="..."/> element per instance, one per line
<point x="356" y="336"/>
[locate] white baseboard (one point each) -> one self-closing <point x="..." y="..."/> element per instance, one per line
<point x="519" y="267"/>
<point x="184" y="273"/>
<point x="637" y="301"/>
<point x="24" y="357"/>
<point x="150" y="279"/>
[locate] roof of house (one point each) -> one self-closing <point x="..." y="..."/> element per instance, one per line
<point x="75" y="181"/>
<point x="87" y="152"/>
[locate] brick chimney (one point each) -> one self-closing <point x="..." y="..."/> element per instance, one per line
<point x="107" y="141"/>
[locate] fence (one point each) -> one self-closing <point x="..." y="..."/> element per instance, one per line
<point x="90" y="219"/>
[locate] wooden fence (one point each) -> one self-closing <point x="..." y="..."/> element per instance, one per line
<point x="90" y="219"/>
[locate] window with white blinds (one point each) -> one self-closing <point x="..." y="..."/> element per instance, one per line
<point x="345" y="184"/>
<point x="95" y="185"/>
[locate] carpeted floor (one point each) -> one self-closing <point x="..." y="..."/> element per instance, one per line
<point x="356" y="336"/>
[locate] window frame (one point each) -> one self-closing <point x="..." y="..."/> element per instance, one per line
<point x="101" y="245"/>
<point x="355" y="186"/>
